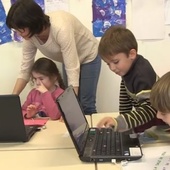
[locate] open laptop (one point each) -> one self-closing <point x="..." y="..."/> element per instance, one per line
<point x="12" y="128"/>
<point x="122" y="146"/>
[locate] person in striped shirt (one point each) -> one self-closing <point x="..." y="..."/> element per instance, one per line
<point x="118" y="48"/>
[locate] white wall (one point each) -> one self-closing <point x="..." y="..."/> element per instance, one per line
<point x="157" y="52"/>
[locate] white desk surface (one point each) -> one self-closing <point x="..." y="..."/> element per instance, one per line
<point x="56" y="159"/>
<point x="98" y="116"/>
<point x="55" y="136"/>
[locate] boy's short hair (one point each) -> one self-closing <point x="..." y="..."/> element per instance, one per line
<point x="160" y="94"/>
<point x="117" y="39"/>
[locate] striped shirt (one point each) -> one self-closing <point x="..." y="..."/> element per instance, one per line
<point x="135" y="108"/>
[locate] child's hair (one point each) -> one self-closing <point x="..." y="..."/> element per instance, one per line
<point x="117" y="39"/>
<point x="27" y="14"/>
<point x="48" y="68"/>
<point x="160" y="94"/>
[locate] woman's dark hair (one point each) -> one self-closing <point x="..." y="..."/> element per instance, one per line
<point x="48" y="68"/>
<point x="27" y="14"/>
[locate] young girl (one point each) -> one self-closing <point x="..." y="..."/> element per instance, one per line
<point x="49" y="85"/>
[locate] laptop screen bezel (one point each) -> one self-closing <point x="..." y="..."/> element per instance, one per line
<point x="12" y="123"/>
<point x="79" y="148"/>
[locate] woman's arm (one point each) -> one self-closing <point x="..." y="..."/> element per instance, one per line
<point x="76" y="89"/>
<point x="19" y="86"/>
<point x="28" y="51"/>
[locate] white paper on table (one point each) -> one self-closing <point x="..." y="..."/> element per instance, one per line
<point x="154" y="158"/>
<point x="148" y="19"/>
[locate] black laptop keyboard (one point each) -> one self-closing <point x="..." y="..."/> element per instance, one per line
<point x="107" y="143"/>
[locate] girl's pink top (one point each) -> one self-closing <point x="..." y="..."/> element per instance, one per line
<point x="45" y="102"/>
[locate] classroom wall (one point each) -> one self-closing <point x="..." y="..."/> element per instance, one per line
<point x="157" y="52"/>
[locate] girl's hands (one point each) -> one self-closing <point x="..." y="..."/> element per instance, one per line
<point x="31" y="111"/>
<point x="41" y="88"/>
<point x="61" y="119"/>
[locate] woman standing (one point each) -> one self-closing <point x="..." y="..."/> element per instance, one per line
<point x="61" y="37"/>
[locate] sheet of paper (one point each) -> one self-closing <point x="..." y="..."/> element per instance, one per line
<point x="53" y="5"/>
<point x="39" y="122"/>
<point x="154" y="158"/>
<point x="167" y="12"/>
<point x="148" y="19"/>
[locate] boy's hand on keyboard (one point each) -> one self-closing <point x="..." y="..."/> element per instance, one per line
<point x="107" y="122"/>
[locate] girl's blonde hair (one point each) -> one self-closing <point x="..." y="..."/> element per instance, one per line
<point x="160" y="94"/>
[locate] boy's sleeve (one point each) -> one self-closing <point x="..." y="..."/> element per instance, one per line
<point x="141" y="115"/>
<point x="143" y="112"/>
<point x="125" y="103"/>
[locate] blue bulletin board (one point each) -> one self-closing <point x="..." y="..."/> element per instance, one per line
<point x="5" y="33"/>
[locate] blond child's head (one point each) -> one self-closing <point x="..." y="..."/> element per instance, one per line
<point x="160" y="97"/>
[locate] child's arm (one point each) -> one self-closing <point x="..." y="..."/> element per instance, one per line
<point x="125" y="103"/>
<point x="141" y="115"/>
<point x="108" y="122"/>
<point x="27" y="103"/>
<point x="125" y="106"/>
<point x="142" y="112"/>
<point x="51" y="108"/>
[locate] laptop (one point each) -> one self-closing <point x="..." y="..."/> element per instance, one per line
<point x="12" y="128"/>
<point x="87" y="141"/>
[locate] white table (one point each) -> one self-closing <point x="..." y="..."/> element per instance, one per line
<point x="55" y="136"/>
<point x="56" y="159"/>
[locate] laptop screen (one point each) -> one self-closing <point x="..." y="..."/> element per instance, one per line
<point x="73" y="116"/>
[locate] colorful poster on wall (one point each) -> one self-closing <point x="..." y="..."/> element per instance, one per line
<point x="15" y="36"/>
<point x="5" y="33"/>
<point x="107" y="13"/>
<point x="41" y="4"/>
